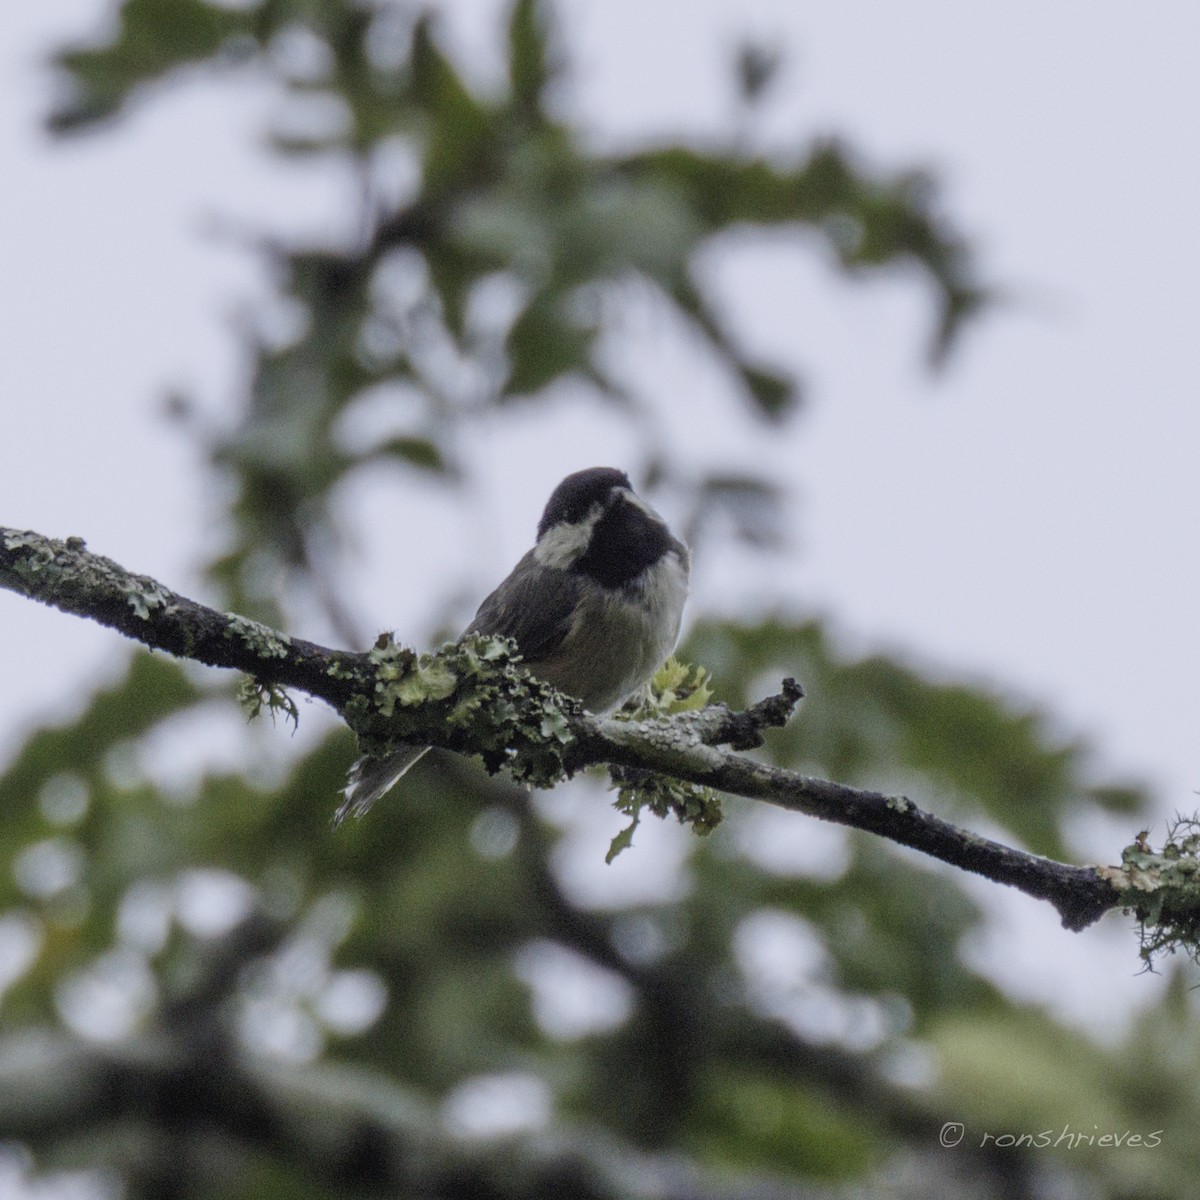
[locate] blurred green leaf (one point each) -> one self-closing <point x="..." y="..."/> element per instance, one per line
<point x="417" y="452"/>
<point x="747" y="1121"/>
<point x="543" y="345"/>
<point x="529" y="63"/>
<point x="152" y="38"/>
<point x="152" y="689"/>
<point x="458" y="145"/>
<point x="774" y="395"/>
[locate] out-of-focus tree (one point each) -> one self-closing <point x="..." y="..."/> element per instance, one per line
<point x="223" y="997"/>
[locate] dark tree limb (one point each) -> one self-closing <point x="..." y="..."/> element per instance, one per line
<point x="346" y="1130"/>
<point x="67" y="576"/>
<point x="1079" y="893"/>
<point x="685" y="747"/>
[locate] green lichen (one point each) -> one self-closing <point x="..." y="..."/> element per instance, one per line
<point x="1162" y="889"/>
<point x="515" y="722"/>
<point x="476" y="686"/>
<point x="433" y="679"/>
<point x="638" y="789"/>
<point x="260" y="639"/>
<point x="254" y="695"/>
<point x="676" y="688"/>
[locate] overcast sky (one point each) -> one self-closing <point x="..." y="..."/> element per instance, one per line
<point x="1026" y="518"/>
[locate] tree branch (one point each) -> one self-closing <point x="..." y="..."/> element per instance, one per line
<point x="1079" y="893"/>
<point x="67" y="576"/>
<point x="471" y="699"/>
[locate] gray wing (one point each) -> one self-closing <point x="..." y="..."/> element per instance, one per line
<point x="534" y="606"/>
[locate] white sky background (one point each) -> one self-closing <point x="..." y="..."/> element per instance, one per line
<point x="1025" y="518"/>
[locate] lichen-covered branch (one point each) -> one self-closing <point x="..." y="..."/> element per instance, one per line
<point x="1162" y="889"/>
<point x="473" y="697"/>
<point x="67" y="576"/>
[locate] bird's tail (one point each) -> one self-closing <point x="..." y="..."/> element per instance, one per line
<point x="372" y="777"/>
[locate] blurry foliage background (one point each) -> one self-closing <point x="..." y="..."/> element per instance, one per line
<point x="205" y="991"/>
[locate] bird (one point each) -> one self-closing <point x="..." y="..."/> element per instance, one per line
<point x="594" y="608"/>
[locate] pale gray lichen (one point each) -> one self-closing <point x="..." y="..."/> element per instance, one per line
<point x="900" y="804"/>
<point x="144" y="596"/>
<point x="14" y="539"/>
<point x="259" y="638"/>
<point x="41" y="569"/>
<point x="53" y="569"/>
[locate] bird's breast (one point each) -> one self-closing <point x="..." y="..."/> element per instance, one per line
<point x="619" y="636"/>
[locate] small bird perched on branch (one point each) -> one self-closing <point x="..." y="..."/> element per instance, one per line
<point x="594" y="607"/>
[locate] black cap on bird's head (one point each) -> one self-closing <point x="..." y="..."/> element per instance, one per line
<point x="578" y="494"/>
<point x="595" y="525"/>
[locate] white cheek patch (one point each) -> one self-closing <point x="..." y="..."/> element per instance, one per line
<point x="561" y="545"/>
<point x="669" y="588"/>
